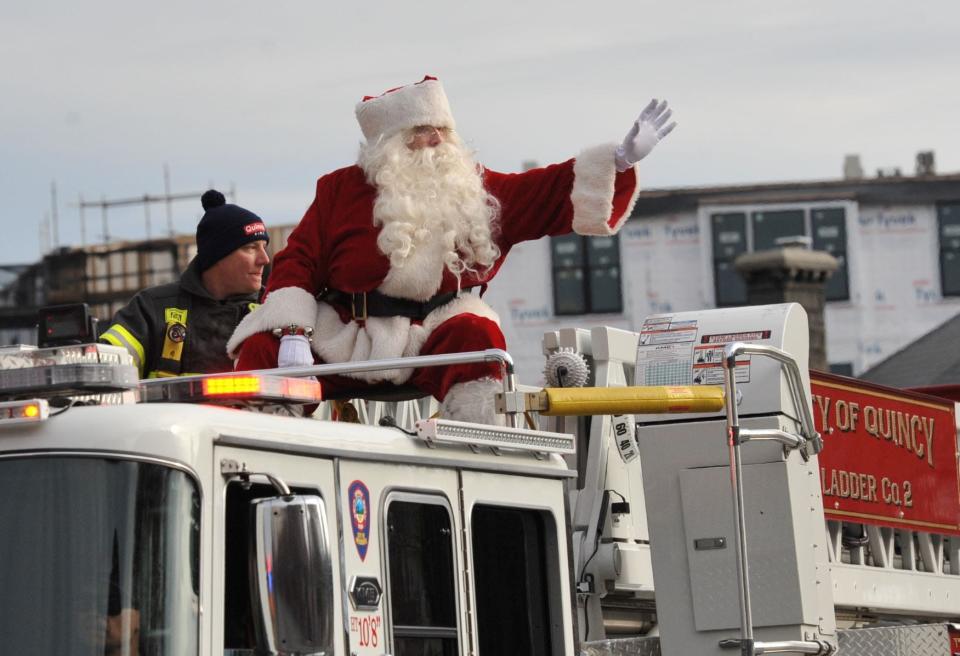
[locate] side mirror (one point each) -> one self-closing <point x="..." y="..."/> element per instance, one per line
<point x="292" y="579"/>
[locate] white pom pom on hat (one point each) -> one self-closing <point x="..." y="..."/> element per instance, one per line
<point x="423" y="103"/>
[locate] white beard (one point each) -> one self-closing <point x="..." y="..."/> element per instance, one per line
<point x="433" y="211"/>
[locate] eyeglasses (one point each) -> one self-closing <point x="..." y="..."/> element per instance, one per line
<point x="428" y="130"/>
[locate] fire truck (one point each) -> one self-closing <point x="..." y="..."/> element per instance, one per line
<point x="689" y="488"/>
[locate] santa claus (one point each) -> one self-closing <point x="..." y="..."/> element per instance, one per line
<point x="385" y="261"/>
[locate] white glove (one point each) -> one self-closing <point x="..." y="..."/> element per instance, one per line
<point x="294" y="352"/>
<point x="649" y="128"/>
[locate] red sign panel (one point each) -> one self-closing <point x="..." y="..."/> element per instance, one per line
<point x="890" y="457"/>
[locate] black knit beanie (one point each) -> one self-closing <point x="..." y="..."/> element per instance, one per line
<point x="224" y="228"/>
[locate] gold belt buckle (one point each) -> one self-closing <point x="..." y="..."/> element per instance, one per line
<point x="353" y="306"/>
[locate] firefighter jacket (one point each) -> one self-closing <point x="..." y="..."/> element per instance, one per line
<point x="178" y="328"/>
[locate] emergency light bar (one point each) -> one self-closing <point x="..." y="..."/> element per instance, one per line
<point x="23" y="412"/>
<point x="66" y="371"/>
<point x="442" y="431"/>
<point x="233" y="388"/>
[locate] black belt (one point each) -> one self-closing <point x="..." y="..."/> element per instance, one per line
<point x="375" y="304"/>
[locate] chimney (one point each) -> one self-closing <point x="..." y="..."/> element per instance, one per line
<point x="792" y="273"/>
<point x="926" y="164"/>
<point x="852" y="170"/>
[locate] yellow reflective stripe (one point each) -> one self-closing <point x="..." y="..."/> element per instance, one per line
<point x="159" y="373"/>
<point x="128" y="341"/>
<point x="113" y="340"/>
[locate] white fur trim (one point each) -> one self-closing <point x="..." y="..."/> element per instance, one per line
<point x="283" y="307"/>
<point x="421" y="274"/>
<point x="594" y="172"/>
<point x="465" y="304"/>
<point x="384" y="337"/>
<point x="473" y="401"/>
<point x="379" y="338"/>
<point x="423" y="103"/>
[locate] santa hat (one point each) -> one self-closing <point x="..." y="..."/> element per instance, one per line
<point x="423" y="103"/>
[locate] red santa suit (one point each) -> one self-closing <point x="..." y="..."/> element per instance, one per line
<point x="335" y="247"/>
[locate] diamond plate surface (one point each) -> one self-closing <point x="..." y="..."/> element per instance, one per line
<point x="925" y="639"/>
<point x="622" y="647"/>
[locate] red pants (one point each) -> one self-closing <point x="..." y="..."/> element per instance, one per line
<point x="464" y="332"/>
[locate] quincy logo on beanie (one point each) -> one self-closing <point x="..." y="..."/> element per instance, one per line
<point x="224" y="228"/>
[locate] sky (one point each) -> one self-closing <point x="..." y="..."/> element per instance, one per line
<point x="98" y="97"/>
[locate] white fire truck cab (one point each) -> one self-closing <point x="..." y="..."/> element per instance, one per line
<point x="188" y="528"/>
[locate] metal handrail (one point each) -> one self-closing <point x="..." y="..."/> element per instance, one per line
<point x="789" y="367"/>
<point x="816" y="647"/>
<point x="386" y="364"/>
<point x="501" y="357"/>
<point x="793" y="647"/>
<point x="789" y="440"/>
<point x="735" y="437"/>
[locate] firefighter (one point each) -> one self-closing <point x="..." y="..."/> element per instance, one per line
<point x="182" y="327"/>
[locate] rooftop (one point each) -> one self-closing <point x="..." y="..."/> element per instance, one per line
<point x="882" y="191"/>
<point x="933" y="359"/>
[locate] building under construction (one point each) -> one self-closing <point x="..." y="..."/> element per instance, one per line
<point x="105" y="276"/>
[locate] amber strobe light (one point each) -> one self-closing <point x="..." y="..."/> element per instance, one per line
<point x="23" y="412"/>
<point x="231" y="386"/>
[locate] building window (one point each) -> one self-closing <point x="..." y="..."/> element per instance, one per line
<point x="729" y="241"/>
<point x="733" y="235"/>
<point x="586" y="275"/>
<point x="769" y="227"/>
<point x="422" y="577"/>
<point x="948" y="219"/>
<point x="830" y="235"/>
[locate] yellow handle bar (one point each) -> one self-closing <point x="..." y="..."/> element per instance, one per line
<point x="661" y="399"/>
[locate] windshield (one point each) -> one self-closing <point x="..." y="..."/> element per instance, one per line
<point x="99" y="557"/>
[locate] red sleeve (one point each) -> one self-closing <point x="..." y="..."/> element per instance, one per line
<point x="585" y="195"/>
<point x="534" y="203"/>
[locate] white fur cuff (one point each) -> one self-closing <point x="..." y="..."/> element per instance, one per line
<point x="595" y="172"/>
<point x="283" y="307"/>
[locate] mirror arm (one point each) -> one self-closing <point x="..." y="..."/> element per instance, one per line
<point x="232" y="469"/>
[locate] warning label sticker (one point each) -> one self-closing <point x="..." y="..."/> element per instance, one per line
<point x="726" y="338"/>
<point x="663" y="364"/>
<point x="663" y="330"/>
<point x="708" y="365"/>
<point x="664" y="351"/>
<point x="623" y="433"/>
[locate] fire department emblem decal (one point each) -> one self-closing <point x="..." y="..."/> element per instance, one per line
<point x="359" y="499"/>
